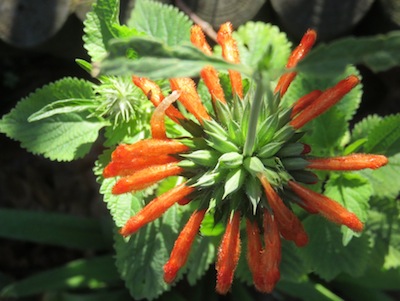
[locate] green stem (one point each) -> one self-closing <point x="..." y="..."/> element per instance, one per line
<point x="254" y="114"/>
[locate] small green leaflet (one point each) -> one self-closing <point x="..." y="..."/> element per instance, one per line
<point x="160" y="21"/>
<point x="379" y="53"/>
<point x="158" y="60"/>
<point x="62" y="137"/>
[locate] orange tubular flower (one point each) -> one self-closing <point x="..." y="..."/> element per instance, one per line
<point x="155" y="209"/>
<point x="330" y="209"/>
<point x="231" y="53"/>
<point x="326" y="100"/>
<point x="228" y="157"/>
<point x="297" y="55"/>
<point x="350" y="162"/>
<point x="180" y="252"/>
<point x="228" y="255"/>
<point x="289" y="225"/>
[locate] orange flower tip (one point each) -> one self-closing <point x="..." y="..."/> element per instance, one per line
<point x="170" y="272"/>
<point x="309" y="38"/>
<point x="353" y="222"/>
<point x="223" y="285"/>
<point x="378" y="161"/>
<point x="301" y="239"/>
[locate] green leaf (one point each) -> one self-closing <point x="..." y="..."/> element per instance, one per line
<point x="385" y="180"/>
<point x="164" y="22"/>
<point x="121" y="206"/>
<point x="325" y="253"/>
<point x="262" y="44"/>
<point x="384" y="138"/>
<point x="140" y="260"/>
<point x="158" y="60"/>
<point x="98" y="28"/>
<point x="363" y="127"/>
<point x="63" y="106"/>
<point x="91" y="273"/>
<point x="353" y="192"/>
<point x="378" y="53"/>
<point x="326" y="132"/>
<point x="61" y="137"/>
<point x="293" y="268"/>
<point x="54" y="229"/>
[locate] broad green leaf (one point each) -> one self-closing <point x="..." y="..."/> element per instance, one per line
<point x="385" y="180"/>
<point x="141" y="258"/>
<point x="293" y="268"/>
<point x="54" y="229"/>
<point x="98" y="28"/>
<point x="362" y="129"/>
<point x="61" y="137"/>
<point x="164" y="22"/>
<point x="63" y="106"/>
<point x="158" y="60"/>
<point x="384" y="138"/>
<point x="121" y="206"/>
<point x="91" y="273"/>
<point x="327" y="256"/>
<point x="262" y="44"/>
<point x="380" y="52"/>
<point x="362" y="292"/>
<point x="326" y="132"/>
<point x="353" y="192"/>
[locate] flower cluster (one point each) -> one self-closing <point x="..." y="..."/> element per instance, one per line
<point x="243" y="162"/>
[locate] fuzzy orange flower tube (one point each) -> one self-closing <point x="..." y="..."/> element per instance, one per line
<point x="241" y="159"/>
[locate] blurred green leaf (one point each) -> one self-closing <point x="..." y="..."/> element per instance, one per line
<point x="91" y="273"/>
<point x="158" y="60"/>
<point x="54" y="229"/>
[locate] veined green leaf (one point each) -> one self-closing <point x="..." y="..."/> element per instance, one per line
<point x="353" y="192"/>
<point x="385" y="180"/>
<point x="92" y="273"/>
<point x="362" y="128"/>
<point x="262" y="45"/>
<point x="53" y="229"/>
<point x="158" y="60"/>
<point x="384" y="138"/>
<point x="164" y="22"/>
<point x="63" y="106"/>
<point x="379" y="53"/>
<point x="62" y="137"/>
<point x="325" y="242"/>
<point x="98" y="28"/>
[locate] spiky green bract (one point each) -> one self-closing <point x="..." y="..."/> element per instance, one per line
<point x="221" y="168"/>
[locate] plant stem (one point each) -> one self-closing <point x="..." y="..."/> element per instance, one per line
<point x="254" y="114"/>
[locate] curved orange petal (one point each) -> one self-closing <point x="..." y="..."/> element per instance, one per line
<point x="181" y="249"/>
<point x="349" y="162"/>
<point x="228" y="255"/>
<point x="230" y="52"/>
<point x="155" y="208"/>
